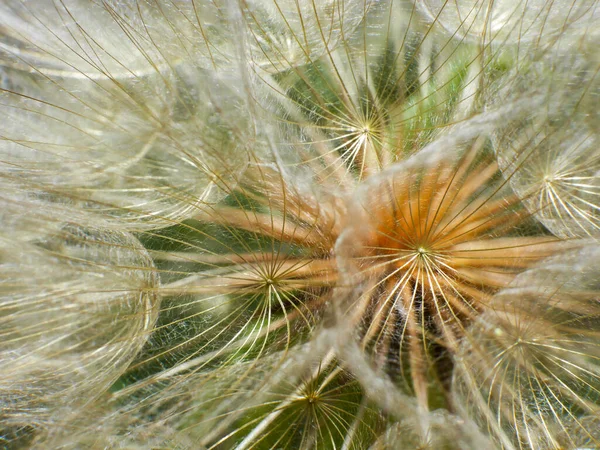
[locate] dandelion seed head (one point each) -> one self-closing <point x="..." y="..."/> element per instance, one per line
<point x="76" y="308"/>
<point x="538" y="378"/>
<point x="429" y="252"/>
<point x="298" y="224"/>
<point x="120" y="127"/>
<point x="553" y="164"/>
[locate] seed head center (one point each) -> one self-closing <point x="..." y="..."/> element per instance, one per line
<point x="425" y="254"/>
<point x="269" y="282"/>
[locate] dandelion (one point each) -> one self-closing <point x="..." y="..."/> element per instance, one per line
<point x="76" y="305"/>
<point x="555" y="149"/>
<point x="433" y="244"/>
<point x="297" y="224"/>
<point x="537" y="384"/>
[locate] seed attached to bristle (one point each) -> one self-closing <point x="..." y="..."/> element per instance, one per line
<point x="435" y="240"/>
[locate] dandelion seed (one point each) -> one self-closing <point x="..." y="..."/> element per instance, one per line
<point x="380" y="96"/>
<point x="248" y="278"/>
<point x="434" y="241"/>
<point x="556" y="160"/>
<point x="77" y="305"/>
<point x="130" y="133"/>
<point x="535" y="383"/>
<point x="324" y="409"/>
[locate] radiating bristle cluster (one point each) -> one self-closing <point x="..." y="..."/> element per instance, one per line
<point x="264" y="224"/>
<point x="533" y="358"/>
<point x="431" y="247"/>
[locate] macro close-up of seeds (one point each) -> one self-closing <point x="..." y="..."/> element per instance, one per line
<point x="300" y="224"/>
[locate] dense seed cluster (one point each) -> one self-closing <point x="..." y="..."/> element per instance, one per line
<point x="341" y="224"/>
